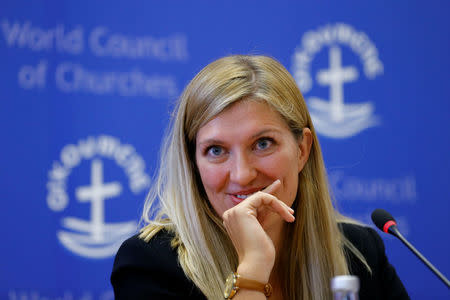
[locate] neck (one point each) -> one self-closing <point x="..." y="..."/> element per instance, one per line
<point x="276" y="231"/>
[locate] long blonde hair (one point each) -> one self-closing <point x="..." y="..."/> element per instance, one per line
<point x="178" y="203"/>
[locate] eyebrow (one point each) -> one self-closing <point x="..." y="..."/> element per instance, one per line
<point x="216" y="141"/>
<point x="210" y="142"/>
<point x="262" y="132"/>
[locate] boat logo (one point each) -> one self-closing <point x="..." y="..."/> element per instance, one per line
<point x="334" y="117"/>
<point x="90" y="234"/>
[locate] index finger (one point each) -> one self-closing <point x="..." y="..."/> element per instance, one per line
<point x="272" y="187"/>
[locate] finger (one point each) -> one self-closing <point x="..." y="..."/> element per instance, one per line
<point x="282" y="210"/>
<point x="272" y="187"/>
<point x="271" y="202"/>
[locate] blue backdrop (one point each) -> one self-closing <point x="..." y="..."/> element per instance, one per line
<point x="87" y="88"/>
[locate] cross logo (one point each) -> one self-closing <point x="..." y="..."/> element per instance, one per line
<point x="335" y="77"/>
<point x="96" y="193"/>
<point x="333" y="117"/>
<point x="95" y="238"/>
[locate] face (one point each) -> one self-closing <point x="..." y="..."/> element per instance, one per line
<point x="243" y="150"/>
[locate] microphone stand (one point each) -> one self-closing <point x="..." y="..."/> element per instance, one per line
<point x="394" y="231"/>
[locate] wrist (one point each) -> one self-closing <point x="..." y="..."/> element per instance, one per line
<point x="255" y="271"/>
<point x="235" y="282"/>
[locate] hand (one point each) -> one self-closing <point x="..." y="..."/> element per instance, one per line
<point x="245" y="226"/>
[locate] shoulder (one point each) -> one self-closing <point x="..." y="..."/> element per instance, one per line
<point x="364" y="238"/>
<point x="356" y="232"/>
<point x="150" y="270"/>
<point x="366" y="241"/>
<point x="381" y="282"/>
<point x="155" y="254"/>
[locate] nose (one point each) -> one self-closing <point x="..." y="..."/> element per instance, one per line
<point x="242" y="171"/>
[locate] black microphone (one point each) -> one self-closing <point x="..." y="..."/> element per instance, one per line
<point x="386" y="223"/>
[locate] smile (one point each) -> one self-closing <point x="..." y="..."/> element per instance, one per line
<point x="243" y="196"/>
<point x="238" y="198"/>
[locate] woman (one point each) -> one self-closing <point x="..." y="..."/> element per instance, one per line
<point x="242" y="190"/>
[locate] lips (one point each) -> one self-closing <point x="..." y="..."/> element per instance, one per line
<point x="240" y="196"/>
<point x="236" y="199"/>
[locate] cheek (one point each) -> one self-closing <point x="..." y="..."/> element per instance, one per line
<point x="292" y="188"/>
<point x="285" y="167"/>
<point x="213" y="178"/>
<point x="281" y="166"/>
<point x="210" y="176"/>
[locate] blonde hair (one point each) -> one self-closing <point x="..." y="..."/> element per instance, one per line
<point x="314" y="253"/>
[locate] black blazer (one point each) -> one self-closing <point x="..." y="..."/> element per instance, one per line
<point x="151" y="271"/>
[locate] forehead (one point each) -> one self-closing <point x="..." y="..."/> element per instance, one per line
<point x="243" y="117"/>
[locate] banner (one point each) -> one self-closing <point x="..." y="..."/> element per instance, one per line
<point x="88" y="87"/>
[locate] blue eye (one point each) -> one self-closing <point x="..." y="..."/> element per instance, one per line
<point x="215" y="150"/>
<point x="263" y="144"/>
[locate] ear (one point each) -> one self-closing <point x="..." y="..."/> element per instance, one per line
<point x="304" y="144"/>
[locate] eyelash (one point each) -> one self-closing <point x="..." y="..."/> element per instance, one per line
<point x="208" y="149"/>
<point x="263" y="139"/>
